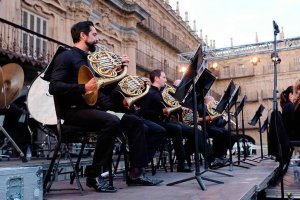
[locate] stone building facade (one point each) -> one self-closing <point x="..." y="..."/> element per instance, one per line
<point x="251" y="67"/>
<point x="149" y="32"/>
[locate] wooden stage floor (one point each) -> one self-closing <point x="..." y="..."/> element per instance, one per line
<point x="245" y="184"/>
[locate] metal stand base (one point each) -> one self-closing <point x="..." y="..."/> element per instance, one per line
<point x="22" y="156"/>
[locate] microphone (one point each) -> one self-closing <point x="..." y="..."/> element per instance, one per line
<point x="275" y="27"/>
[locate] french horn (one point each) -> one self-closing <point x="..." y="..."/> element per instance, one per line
<point x="170" y="102"/>
<point x="109" y="68"/>
<point x="133" y="88"/>
<point x="211" y="110"/>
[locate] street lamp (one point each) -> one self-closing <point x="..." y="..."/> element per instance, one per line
<point x="214" y="66"/>
<point x="254" y="60"/>
<point x="183" y="69"/>
<point x="275" y="58"/>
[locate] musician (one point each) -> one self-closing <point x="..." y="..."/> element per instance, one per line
<point x="153" y="109"/>
<point x="217" y="131"/>
<point x="287" y="101"/>
<point x="143" y="135"/>
<point x="64" y="84"/>
<point x="296" y="93"/>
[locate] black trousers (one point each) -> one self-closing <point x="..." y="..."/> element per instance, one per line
<point x="204" y="147"/>
<point x="155" y="134"/>
<point x="108" y="126"/>
<point x="133" y="128"/>
<point x="177" y="131"/>
<point x="221" y="140"/>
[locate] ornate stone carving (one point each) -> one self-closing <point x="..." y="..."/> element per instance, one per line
<point x="106" y="43"/>
<point x="56" y="3"/>
<point x="38" y="6"/>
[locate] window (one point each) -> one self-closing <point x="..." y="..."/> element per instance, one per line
<point x="32" y="45"/>
<point x="269" y="68"/>
<point x="240" y="70"/>
<point x="297" y="63"/>
<point x="226" y="72"/>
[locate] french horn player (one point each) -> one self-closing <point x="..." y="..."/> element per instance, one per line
<point x="77" y="88"/>
<point x="153" y="109"/>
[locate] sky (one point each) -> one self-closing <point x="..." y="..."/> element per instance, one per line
<point x="221" y="20"/>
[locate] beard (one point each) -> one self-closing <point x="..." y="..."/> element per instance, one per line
<point x="91" y="46"/>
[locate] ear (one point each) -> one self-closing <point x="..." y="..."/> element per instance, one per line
<point x="82" y="35"/>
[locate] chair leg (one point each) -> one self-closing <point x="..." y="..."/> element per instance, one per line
<point x="126" y="162"/>
<point x="55" y="173"/>
<point x="153" y="168"/>
<point x="110" y="175"/>
<point x="160" y="158"/>
<point x="50" y="169"/>
<point x="170" y="156"/>
<point x="75" y="171"/>
<point x="117" y="162"/>
<point x="78" y="162"/>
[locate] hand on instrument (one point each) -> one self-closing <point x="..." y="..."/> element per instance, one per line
<point x="147" y="80"/>
<point x="91" y="85"/>
<point x="185" y="109"/>
<point x="165" y="111"/>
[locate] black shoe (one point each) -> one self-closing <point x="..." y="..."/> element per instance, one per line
<point x="143" y="181"/>
<point x="183" y="168"/>
<point x="100" y="185"/>
<point x="217" y="163"/>
<point x="223" y="160"/>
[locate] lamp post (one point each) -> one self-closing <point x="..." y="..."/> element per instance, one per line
<point x="182" y="70"/>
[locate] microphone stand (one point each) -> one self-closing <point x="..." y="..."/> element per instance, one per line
<point x="277" y="60"/>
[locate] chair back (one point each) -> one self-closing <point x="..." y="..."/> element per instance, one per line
<point x="60" y="111"/>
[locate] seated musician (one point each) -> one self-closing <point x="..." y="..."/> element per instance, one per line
<point x="213" y="160"/>
<point x="152" y="108"/>
<point x="143" y="137"/>
<point x="217" y="131"/>
<point x="64" y="84"/>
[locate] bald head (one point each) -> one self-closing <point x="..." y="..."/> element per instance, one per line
<point x="208" y="99"/>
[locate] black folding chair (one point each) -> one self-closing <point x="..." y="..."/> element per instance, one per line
<point x="67" y="134"/>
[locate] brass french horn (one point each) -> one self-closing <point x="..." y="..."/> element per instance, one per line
<point x="211" y="110"/>
<point x="107" y="65"/>
<point x="170" y="102"/>
<point x="133" y="88"/>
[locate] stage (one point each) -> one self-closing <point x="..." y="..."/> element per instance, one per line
<point x="246" y="184"/>
<point x="290" y="186"/>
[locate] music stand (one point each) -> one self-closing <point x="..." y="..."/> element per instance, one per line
<point x="240" y="109"/>
<point x="202" y="86"/>
<point x="265" y="126"/>
<point x="254" y="120"/>
<point x="236" y="113"/>
<point x="186" y="93"/>
<point x="221" y="107"/>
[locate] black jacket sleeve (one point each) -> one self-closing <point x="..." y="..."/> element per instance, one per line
<point x="62" y="78"/>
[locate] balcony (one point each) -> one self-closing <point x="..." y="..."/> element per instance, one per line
<point x="149" y="63"/>
<point x="233" y="72"/>
<point x="162" y="33"/>
<point x="23" y="45"/>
